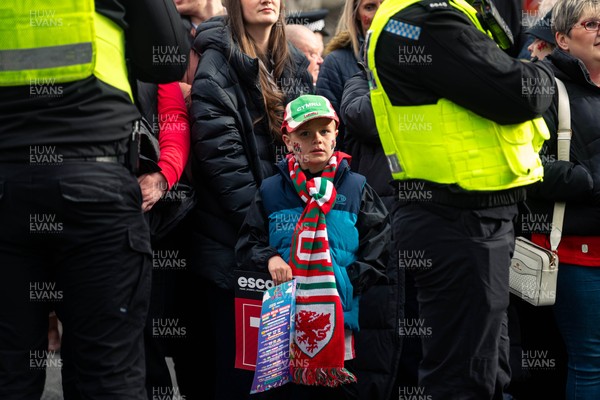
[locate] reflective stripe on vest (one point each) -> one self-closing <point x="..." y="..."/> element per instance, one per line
<point x="49" y="42"/>
<point x="446" y="143"/>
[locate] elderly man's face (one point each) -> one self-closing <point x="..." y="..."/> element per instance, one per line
<point x="312" y="47"/>
<point x="315" y="56"/>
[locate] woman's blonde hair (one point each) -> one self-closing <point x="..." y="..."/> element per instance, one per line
<point x="566" y="13"/>
<point x="348" y="29"/>
<point x="277" y="58"/>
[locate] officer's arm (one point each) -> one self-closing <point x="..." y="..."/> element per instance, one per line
<point x="156" y="41"/>
<point x="474" y="72"/>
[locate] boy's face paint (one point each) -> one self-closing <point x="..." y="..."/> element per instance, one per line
<point x="313" y="143"/>
<point x="539" y="48"/>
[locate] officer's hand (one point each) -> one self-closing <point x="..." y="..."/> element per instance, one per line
<point x="153" y="186"/>
<point x="280" y="271"/>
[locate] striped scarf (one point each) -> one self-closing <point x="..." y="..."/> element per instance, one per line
<point x="317" y="351"/>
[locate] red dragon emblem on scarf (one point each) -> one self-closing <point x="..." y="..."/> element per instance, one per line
<point x="316" y="327"/>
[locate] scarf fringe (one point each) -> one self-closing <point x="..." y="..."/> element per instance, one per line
<point x="331" y="377"/>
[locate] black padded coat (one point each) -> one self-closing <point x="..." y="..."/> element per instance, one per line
<point x="231" y="153"/>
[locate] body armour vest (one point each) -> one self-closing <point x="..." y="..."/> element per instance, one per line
<point x="60" y="41"/>
<point x="446" y="143"/>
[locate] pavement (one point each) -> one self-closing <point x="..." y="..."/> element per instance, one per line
<point x="53" y="389"/>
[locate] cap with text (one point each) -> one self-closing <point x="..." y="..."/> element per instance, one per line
<point x="306" y="108"/>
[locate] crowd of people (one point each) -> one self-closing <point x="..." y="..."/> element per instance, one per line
<point x="150" y="150"/>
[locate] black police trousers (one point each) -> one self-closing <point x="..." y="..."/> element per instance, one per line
<point x="73" y="239"/>
<point x="459" y="259"/>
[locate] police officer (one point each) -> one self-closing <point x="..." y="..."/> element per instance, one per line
<point x="73" y="237"/>
<point x="459" y="122"/>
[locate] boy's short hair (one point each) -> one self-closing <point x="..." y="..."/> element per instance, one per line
<point x="305" y="108"/>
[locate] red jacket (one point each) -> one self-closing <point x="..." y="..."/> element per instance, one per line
<point x="174" y="136"/>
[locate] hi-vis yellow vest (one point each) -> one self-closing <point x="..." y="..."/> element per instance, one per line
<point x="59" y="41"/>
<point x="446" y="143"/>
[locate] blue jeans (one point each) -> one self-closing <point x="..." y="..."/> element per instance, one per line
<point x="577" y="312"/>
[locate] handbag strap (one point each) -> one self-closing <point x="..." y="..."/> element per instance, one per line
<point x="563" y="149"/>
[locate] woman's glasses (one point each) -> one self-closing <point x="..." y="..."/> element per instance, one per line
<point x="591" y="25"/>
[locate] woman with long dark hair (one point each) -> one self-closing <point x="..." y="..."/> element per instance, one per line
<point x="247" y="73"/>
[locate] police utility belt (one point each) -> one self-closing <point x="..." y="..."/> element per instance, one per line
<point x="131" y="159"/>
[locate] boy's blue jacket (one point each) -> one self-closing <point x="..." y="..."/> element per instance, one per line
<point x="358" y="230"/>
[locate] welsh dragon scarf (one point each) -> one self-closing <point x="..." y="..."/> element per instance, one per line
<point x="317" y="351"/>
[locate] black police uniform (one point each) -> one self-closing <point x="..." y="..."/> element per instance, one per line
<point x="457" y="244"/>
<point x="73" y="237"/>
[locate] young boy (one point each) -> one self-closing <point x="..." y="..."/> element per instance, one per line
<point x="320" y="223"/>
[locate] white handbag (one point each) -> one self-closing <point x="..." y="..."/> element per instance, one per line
<point x="533" y="273"/>
<point x="533" y="269"/>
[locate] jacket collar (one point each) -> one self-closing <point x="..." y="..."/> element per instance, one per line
<point x="567" y="67"/>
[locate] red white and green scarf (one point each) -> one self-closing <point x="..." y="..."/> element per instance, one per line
<point x="318" y="348"/>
